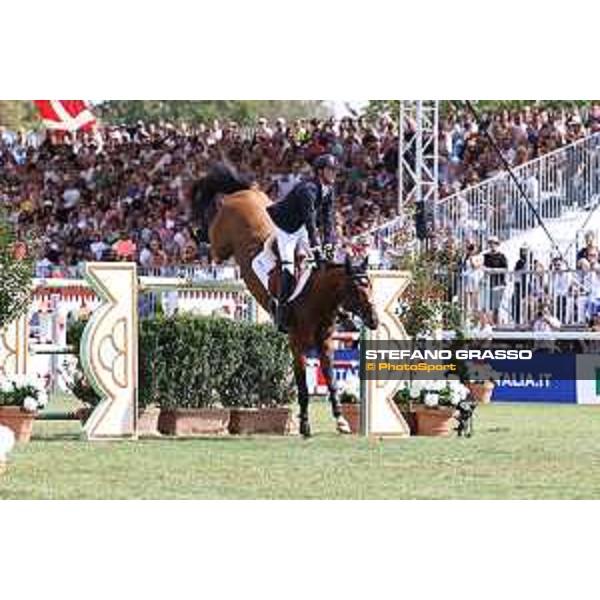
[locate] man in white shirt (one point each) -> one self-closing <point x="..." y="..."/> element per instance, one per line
<point x="98" y="246"/>
<point x="71" y="197"/>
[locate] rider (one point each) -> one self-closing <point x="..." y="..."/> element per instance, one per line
<point x="297" y="218"/>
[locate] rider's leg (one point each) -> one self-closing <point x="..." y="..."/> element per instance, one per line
<point x="262" y="264"/>
<point x="286" y="242"/>
<point x="303" y="244"/>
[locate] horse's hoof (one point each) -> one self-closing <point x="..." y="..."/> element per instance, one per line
<point x="305" y="429"/>
<point x="343" y="426"/>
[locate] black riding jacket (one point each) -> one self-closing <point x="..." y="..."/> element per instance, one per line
<point x="307" y="204"/>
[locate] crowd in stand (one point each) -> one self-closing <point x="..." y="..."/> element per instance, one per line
<point x="122" y="192"/>
<point x="529" y="293"/>
<point x="466" y="156"/>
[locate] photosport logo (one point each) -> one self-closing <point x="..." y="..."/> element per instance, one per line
<point x="394" y="359"/>
<point x="531" y="370"/>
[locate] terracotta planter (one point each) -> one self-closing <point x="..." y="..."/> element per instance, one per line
<point x="351" y="413"/>
<point x="19" y="421"/>
<point x="193" y="421"/>
<point x="437" y="422"/>
<point x="482" y="392"/>
<point x="270" y="421"/>
<point x="147" y="422"/>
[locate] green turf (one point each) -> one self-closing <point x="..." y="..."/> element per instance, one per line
<point x="518" y="451"/>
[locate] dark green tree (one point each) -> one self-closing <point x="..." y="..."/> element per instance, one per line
<point x="377" y="108"/>
<point x="15" y="114"/>
<point x="16" y="271"/>
<point x="204" y="111"/>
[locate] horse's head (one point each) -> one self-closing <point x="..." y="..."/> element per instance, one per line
<point x="358" y="294"/>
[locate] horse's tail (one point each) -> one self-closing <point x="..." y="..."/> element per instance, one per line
<point x="222" y="178"/>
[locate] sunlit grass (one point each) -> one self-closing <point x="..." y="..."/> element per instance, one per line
<point x="517" y="451"/>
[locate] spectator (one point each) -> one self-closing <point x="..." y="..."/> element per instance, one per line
<point x="471" y="268"/>
<point x="562" y="286"/>
<point x="521" y="135"/>
<point x="544" y="320"/>
<point x="496" y="262"/>
<point x="590" y="245"/>
<point x="523" y="268"/>
<point x="84" y="194"/>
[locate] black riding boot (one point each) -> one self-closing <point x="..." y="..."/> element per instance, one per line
<point x="285" y="291"/>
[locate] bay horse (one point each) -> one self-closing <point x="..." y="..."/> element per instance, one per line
<point x="232" y="215"/>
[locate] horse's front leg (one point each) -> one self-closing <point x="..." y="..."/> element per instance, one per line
<point x="300" y="377"/>
<point x="326" y="357"/>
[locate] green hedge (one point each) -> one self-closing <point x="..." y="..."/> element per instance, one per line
<point x="195" y="362"/>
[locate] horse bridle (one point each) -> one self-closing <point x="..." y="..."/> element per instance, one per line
<point x="360" y="280"/>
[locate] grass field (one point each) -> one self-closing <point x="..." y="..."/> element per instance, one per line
<point x="517" y="452"/>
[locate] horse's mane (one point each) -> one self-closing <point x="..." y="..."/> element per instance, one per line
<point x="222" y="178"/>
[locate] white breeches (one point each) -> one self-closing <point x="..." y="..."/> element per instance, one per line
<point x="287" y="243"/>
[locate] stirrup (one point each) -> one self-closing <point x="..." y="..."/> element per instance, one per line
<point x="273" y="308"/>
<point x="282" y="317"/>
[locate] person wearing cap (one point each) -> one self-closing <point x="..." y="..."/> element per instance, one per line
<point x="308" y="207"/>
<point x="497" y="263"/>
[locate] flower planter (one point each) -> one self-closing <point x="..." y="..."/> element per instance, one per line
<point x="193" y="421"/>
<point x="481" y="392"/>
<point x="271" y="421"/>
<point x="20" y="421"/>
<point x="351" y="412"/>
<point x="436" y="422"/>
<point x="147" y="422"/>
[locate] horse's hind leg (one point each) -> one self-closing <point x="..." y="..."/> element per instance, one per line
<point x="300" y="376"/>
<point x="326" y="358"/>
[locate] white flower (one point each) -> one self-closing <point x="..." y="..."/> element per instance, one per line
<point x="418" y="384"/>
<point x="30" y="404"/>
<point x="42" y="400"/>
<point x="437" y="385"/>
<point x="7" y="441"/>
<point x="415" y="393"/>
<point x="351" y="385"/>
<point x="431" y="399"/>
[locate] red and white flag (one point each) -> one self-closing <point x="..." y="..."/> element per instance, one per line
<point x="65" y="115"/>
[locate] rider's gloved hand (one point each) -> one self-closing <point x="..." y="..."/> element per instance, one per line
<point x="329" y="252"/>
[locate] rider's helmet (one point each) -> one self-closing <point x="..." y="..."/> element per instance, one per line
<point x="325" y="160"/>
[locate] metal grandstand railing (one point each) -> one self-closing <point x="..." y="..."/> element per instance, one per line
<point x="517" y="299"/>
<point x="565" y="180"/>
<point x="194" y="273"/>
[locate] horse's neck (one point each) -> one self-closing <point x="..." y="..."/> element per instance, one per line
<point x="329" y="287"/>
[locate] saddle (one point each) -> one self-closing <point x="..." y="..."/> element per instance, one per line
<point x="302" y="270"/>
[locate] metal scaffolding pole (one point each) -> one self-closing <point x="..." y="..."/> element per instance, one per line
<point x="418" y="141"/>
